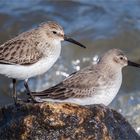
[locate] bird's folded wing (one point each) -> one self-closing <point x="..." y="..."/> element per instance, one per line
<point x="19" y="51"/>
<point x="75" y="86"/>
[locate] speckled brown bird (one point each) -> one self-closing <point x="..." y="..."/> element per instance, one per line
<point x="95" y="84"/>
<point x="32" y="53"/>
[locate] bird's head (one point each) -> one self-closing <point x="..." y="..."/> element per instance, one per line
<point x="116" y="58"/>
<point x="55" y="32"/>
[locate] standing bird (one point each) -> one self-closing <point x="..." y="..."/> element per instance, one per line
<point x="95" y="84"/>
<point x="32" y="53"/>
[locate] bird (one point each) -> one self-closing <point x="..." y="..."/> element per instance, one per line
<point x="32" y="53"/>
<point x="95" y="84"/>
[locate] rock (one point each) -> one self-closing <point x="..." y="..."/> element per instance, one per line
<point x="61" y="121"/>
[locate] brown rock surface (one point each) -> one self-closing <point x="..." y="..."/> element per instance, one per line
<point x="59" y="121"/>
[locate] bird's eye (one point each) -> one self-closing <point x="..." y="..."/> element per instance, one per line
<point x="121" y="58"/>
<point x="54" y="32"/>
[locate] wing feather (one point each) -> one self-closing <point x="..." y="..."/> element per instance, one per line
<point x="74" y="86"/>
<point x="19" y="51"/>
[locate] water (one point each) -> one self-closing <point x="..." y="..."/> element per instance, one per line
<point x="98" y="24"/>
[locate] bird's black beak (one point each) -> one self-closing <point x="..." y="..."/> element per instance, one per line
<point x="66" y="38"/>
<point x="133" y="64"/>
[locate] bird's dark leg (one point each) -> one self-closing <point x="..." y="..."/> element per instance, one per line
<point x="14" y="91"/>
<point x="28" y="90"/>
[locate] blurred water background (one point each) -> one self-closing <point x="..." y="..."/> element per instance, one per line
<point x="99" y="24"/>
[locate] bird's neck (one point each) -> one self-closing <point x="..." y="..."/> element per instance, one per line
<point x="51" y="48"/>
<point x="109" y="65"/>
<point x="110" y="70"/>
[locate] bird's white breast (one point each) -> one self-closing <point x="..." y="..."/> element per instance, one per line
<point x="38" y="68"/>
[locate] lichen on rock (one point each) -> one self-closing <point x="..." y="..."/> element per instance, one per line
<point x="62" y="121"/>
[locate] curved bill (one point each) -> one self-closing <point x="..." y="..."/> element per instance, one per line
<point x="133" y="64"/>
<point x="66" y="38"/>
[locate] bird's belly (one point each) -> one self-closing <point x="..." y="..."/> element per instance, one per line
<point x="24" y="72"/>
<point x="103" y="97"/>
